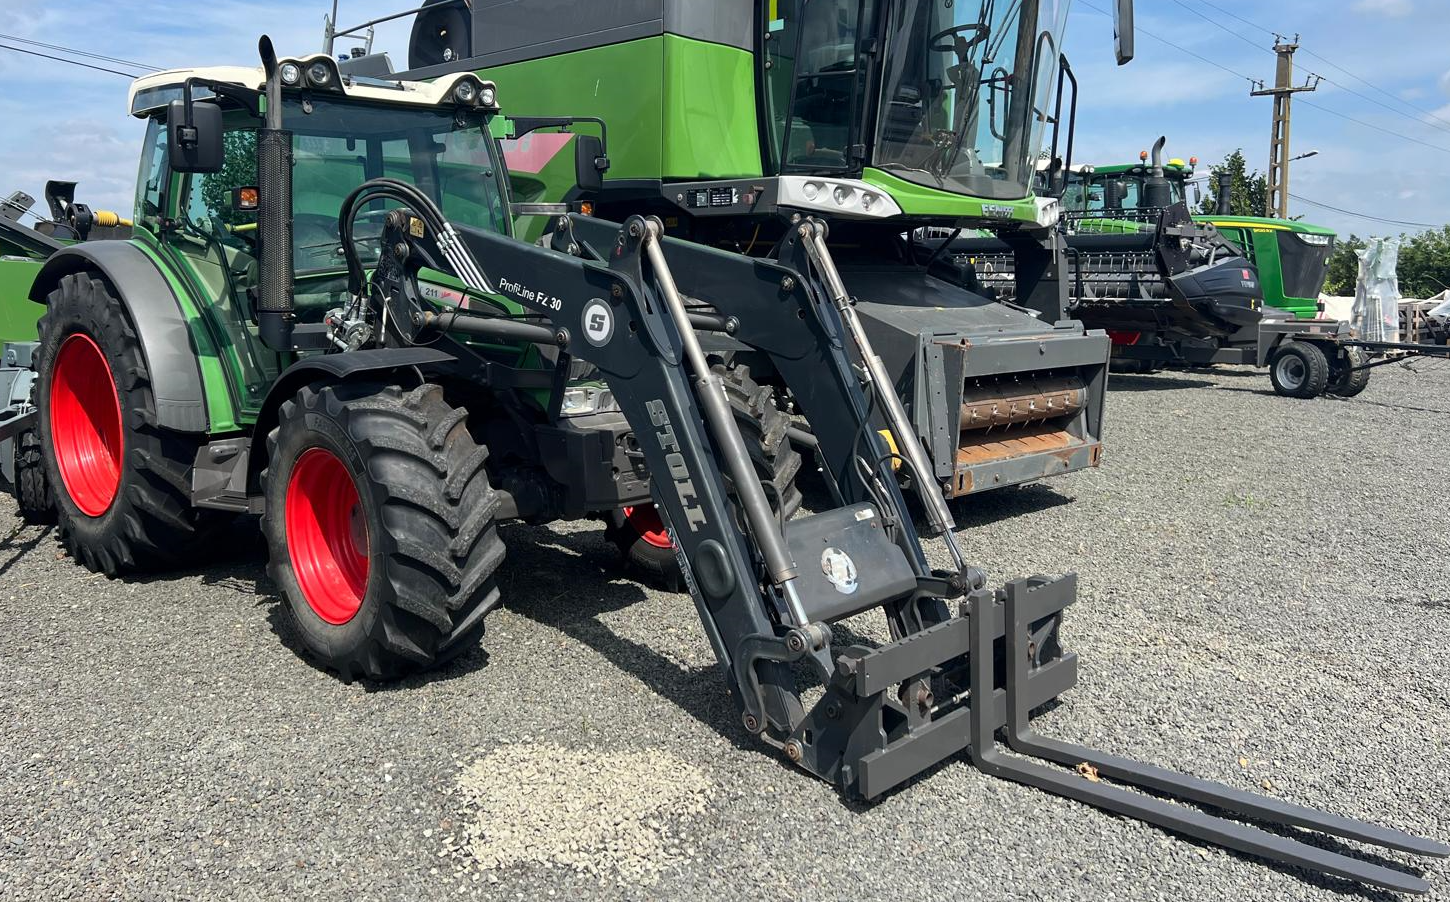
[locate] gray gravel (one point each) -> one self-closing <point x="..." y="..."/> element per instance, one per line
<point x="1264" y="600"/>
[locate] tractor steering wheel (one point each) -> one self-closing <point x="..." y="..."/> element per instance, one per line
<point x="941" y="41"/>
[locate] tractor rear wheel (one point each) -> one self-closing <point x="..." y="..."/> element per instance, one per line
<point x="1348" y="380"/>
<point x="639" y="532"/>
<point x="1299" y="370"/>
<point x="121" y="486"/>
<point x="380" y="524"/>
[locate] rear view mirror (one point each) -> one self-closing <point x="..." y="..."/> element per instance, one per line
<point x="590" y="163"/>
<point x="1123" y="31"/>
<point x="194" y="141"/>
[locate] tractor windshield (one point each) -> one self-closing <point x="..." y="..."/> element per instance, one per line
<point x="964" y="92"/>
<point x="1091" y="194"/>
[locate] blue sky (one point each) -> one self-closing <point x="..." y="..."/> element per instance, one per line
<point x="65" y="122"/>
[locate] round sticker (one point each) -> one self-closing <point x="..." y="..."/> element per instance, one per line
<point x="598" y="323"/>
<point x="840" y="570"/>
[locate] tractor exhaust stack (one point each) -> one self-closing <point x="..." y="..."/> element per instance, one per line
<point x="274" y="213"/>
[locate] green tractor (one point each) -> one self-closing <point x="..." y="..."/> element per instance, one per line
<point x="890" y="120"/>
<point x="1292" y="257"/>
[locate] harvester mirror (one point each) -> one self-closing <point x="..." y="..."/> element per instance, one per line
<point x="1123" y="31"/>
<point x="194" y="137"/>
<point x="590" y="163"/>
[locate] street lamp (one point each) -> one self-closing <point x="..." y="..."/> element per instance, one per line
<point x="1304" y="156"/>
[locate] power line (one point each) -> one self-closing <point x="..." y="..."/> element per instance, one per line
<point x="1415" y="119"/>
<point x="1315" y="203"/>
<point x="1378" y="89"/>
<point x="1222" y="27"/>
<point x="1198" y="56"/>
<point x="61" y="59"/>
<point x="74" y="52"/>
<point x="1379" y="128"/>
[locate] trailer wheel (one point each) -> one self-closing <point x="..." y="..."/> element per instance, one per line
<point x="639" y="532"/>
<point x="121" y="487"/>
<point x="380" y="527"/>
<point x="1348" y="380"/>
<point x="1299" y="370"/>
<point x="32" y="490"/>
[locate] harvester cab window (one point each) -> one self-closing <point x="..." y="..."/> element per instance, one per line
<point x="964" y="92"/>
<point x="150" y="181"/>
<point x="811" y="74"/>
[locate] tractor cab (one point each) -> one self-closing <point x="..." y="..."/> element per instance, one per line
<point x="197" y="203"/>
<point x="1092" y="189"/>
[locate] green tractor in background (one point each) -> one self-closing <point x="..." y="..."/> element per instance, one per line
<point x="890" y="119"/>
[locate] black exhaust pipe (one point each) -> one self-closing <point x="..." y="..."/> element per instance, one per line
<point x="1156" y="191"/>
<point x="274" y="214"/>
<point x="1224" y="202"/>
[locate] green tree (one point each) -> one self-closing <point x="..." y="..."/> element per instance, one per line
<point x="1424" y="265"/>
<point x="1248" y="191"/>
<point x="1344" y="267"/>
<point x="239" y="169"/>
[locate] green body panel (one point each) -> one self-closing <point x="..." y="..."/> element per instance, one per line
<point x="223" y="412"/>
<point x="689" y="105"/>
<point x="921" y="201"/>
<point x="1259" y="239"/>
<point x="618" y="83"/>
<point x="17" y="312"/>
<point x="709" y="111"/>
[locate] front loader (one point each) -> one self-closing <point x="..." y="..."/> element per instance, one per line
<point x="372" y="459"/>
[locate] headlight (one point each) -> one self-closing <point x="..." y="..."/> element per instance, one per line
<point x="291" y="74"/>
<point x="488" y="97"/>
<point x="319" y="74"/>
<point x="1316" y="240"/>
<point x="465" y="92"/>
<point x="586" y="399"/>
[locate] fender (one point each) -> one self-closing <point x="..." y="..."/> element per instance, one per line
<point x="328" y="368"/>
<point x="155" y="313"/>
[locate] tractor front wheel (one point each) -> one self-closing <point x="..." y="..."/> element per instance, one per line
<point x="380" y="527"/>
<point x="639" y="532"/>
<point x="120" y="483"/>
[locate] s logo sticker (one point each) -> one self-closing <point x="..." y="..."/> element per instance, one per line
<point x="598" y="323"/>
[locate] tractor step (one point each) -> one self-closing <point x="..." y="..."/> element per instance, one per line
<point x="1017" y="608"/>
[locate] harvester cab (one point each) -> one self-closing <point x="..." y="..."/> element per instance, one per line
<point x="884" y="119"/>
<point x="399" y="428"/>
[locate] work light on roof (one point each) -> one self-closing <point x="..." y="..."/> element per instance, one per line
<point x="319" y="74"/>
<point x="291" y="74"/>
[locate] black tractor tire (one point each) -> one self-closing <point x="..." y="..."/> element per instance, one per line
<point x="1348" y="381"/>
<point x="421" y="500"/>
<point x="149" y="523"/>
<point x="32" y="489"/>
<point x="763" y="426"/>
<point x="1299" y="370"/>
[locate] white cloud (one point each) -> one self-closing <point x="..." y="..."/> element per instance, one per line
<point x="1397" y="9"/>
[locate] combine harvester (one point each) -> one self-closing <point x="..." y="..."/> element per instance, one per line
<point x="730" y="119"/>
<point x="384" y="385"/>
<point x="1177" y="290"/>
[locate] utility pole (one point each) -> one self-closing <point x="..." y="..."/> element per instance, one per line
<point x="1276" y="202"/>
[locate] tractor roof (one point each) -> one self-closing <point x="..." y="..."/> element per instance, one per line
<point x="1172" y="167"/>
<point x="151" y="92"/>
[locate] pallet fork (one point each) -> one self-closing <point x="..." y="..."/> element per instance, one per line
<point x="630" y="302"/>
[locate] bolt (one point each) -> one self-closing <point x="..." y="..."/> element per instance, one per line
<point x="751" y="724"/>
<point x="795" y="643"/>
<point x="793" y="751"/>
<point x="787" y="284"/>
<point x="634" y="229"/>
<point x="833" y="711"/>
<point x="616" y="291"/>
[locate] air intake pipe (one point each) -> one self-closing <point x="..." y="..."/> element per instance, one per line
<point x="274" y="213"/>
<point x="1156" y="192"/>
<point x="1224" y="203"/>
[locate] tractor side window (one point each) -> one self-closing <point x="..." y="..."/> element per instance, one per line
<point x="150" y="181"/>
<point x="467" y="182"/>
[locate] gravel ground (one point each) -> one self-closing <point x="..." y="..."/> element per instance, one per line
<point x="1264" y="601"/>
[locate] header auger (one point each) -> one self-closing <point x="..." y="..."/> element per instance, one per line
<point x="412" y="383"/>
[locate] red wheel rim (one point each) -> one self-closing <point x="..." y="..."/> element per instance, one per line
<point x="645" y="520"/>
<point x="327" y="537"/>
<point x="85" y="424"/>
